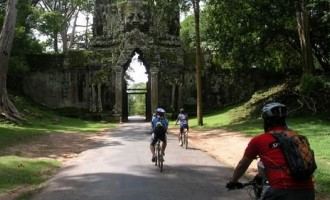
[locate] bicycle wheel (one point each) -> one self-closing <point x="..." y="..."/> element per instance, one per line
<point x="186" y="139"/>
<point x="156" y="153"/>
<point x="161" y="163"/>
<point x="160" y="159"/>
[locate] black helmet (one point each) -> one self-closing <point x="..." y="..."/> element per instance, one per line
<point x="274" y="110"/>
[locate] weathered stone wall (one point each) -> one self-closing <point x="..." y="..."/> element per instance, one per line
<point x="223" y="87"/>
<point x="68" y="87"/>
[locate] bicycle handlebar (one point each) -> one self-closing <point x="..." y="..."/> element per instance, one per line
<point x="238" y="185"/>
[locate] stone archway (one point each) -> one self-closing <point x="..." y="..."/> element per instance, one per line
<point x="149" y="27"/>
<point x="124" y="93"/>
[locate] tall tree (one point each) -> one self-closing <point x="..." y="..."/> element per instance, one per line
<point x="198" y="63"/>
<point x="304" y="36"/>
<point x="195" y="4"/>
<point x="7" y="108"/>
<point x="56" y="18"/>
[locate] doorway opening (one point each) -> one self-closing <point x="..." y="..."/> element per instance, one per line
<point x="137" y="89"/>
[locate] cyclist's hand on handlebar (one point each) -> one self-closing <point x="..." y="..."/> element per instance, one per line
<point x="234" y="185"/>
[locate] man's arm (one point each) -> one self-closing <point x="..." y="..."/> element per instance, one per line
<point x="240" y="169"/>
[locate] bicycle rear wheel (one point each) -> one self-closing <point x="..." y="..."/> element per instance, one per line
<point x="186" y="139"/>
<point x="160" y="158"/>
<point x="156" y="153"/>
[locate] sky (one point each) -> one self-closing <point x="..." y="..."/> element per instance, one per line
<point x="137" y="71"/>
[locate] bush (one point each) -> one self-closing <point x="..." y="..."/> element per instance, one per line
<point x="310" y="84"/>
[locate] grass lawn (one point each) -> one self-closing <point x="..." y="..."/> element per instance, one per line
<point x="18" y="171"/>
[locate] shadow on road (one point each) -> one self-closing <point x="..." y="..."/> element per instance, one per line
<point x="182" y="182"/>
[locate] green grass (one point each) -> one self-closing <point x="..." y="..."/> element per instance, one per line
<point x="17" y="171"/>
<point x="41" y="121"/>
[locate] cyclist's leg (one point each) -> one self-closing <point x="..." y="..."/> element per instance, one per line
<point x="152" y="145"/>
<point x="180" y="135"/>
<point x="181" y="130"/>
<point x="164" y="143"/>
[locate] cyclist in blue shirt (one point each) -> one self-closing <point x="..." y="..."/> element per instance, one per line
<point x="183" y="120"/>
<point x="159" y="125"/>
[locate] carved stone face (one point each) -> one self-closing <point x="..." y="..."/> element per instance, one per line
<point x="135" y="17"/>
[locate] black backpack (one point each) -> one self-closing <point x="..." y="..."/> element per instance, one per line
<point x="159" y="130"/>
<point x="298" y="154"/>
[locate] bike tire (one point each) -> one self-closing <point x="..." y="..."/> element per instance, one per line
<point x="159" y="156"/>
<point x="156" y="153"/>
<point x="186" y="140"/>
<point x="161" y="164"/>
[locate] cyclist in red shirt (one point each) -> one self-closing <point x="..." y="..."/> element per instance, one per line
<point x="282" y="185"/>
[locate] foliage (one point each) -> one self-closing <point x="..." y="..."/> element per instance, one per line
<point x="320" y="25"/>
<point x="310" y="84"/>
<point x="187" y="32"/>
<point x="54" y="18"/>
<point x="77" y="58"/>
<point x="252" y="33"/>
<point x="263" y="33"/>
<point x="137" y="102"/>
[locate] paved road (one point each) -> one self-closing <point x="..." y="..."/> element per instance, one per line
<point x="121" y="169"/>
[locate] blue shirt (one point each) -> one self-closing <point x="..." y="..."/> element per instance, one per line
<point x="162" y="120"/>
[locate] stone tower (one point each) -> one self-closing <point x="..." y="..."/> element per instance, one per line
<point x="151" y="29"/>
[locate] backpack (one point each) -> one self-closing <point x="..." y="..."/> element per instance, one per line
<point x="298" y="154"/>
<point x="159" y="128"/>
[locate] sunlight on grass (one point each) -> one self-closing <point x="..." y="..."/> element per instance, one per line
<point x="16" y="171"/>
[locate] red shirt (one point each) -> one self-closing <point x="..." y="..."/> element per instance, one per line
<point x="266" y="147"/>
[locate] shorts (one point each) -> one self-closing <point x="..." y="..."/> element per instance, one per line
<point x="183" y="126"/>
<point x="289" y="194"/>
<point x="156" y="137"/>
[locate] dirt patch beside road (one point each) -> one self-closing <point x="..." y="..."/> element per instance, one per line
<point x="227" y="147"/>
<point x="57" y="146"/>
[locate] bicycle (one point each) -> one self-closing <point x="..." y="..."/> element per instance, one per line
<point x="184" y="138"/>
<point x="159" y="156"/>
<point x="256" y="187"/>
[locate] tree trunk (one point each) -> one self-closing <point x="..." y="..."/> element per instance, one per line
<point x="55" y="42"/>
<point x="7" y="108"/>
<point x="198" y="64"/>
<point x="86" y="32"/>
<point x="73" y="33"/>
<point x="64" y="36"/>
<point x="304" y="36"/>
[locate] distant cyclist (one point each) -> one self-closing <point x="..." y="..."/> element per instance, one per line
<point x="282" y="185"/>
<point x="159" y="126"/>
<point x="183" y="121"/>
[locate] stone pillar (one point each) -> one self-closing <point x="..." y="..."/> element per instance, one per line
<point x="154" y="87"/>
<point x="117" y="110"/>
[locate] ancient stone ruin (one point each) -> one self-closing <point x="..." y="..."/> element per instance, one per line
<point x="121" y="29"/>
